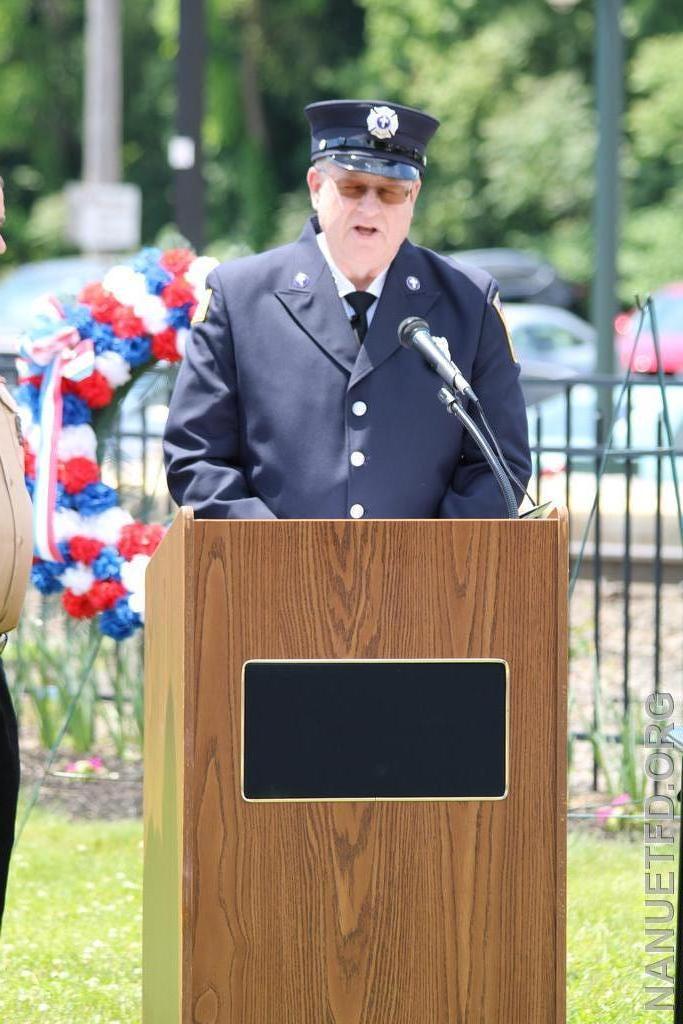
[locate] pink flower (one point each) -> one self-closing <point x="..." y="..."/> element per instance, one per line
<point x="623" y="798"/>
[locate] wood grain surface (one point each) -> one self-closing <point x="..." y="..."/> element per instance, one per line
<point x="371" y="912"/>
<point x="168" y="669"/>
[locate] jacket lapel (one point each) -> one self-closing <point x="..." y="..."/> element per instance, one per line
<point x="311" y="298"/>
<point x="397" y="301"/>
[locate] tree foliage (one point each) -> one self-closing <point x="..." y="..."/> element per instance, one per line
<point x="510" y="80"/>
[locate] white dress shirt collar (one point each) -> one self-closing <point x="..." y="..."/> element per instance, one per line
<point x="342" y="283"/>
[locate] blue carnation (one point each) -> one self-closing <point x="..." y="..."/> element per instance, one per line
<point x="30" y="486"/>
<point x="146" y="258"/>
<point x="65" y="551"/>
<point x="29" y="394"/>
<point x="45" y="576"/>
<point x="135" y="351"/>
<point x="103" y="338"/>
<point x="107" y="565"/>
<point x="120" y="621"/>
<point x="64" y="500"/>
<point x="79" y="316"/>
<point x="95" y="498"/>
<point x="157" y="278"/>
<point x="75" y="411"/>
<point x="179" y="316"/>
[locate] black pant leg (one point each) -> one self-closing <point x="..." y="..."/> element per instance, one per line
<point x="9" y="781"/>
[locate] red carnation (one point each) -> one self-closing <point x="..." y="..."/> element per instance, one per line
<point x="29" y="460"/>
<point x="105" y="593"/>
<point x="90" y="293"/>
<point x="95" y="390"/>
<point x="126" y="324"/>
<point x="176" y="261"/>
<point x="140" y="539"/>
<point x="77" y="473"/>
<point x="177" y="293"/>
<point x="36" y="380"/>
<point x="84" y="549"/>
<point x="102" y="304"/>
<point x="78" y="605"/>
<point x="164" y="345"/>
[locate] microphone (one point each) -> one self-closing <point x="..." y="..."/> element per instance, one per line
<point x="413" y="332"/>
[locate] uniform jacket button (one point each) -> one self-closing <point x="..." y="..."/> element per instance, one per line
<point x="356" y="511"/>
<point x="359" y="408"/>
<point x="357" y="458"/>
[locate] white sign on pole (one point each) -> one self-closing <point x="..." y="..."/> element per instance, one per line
<point x="103" y="217"/>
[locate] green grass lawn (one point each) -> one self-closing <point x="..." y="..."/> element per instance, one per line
<point x="70" y="952"/>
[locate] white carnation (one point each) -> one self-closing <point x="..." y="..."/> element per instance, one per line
<point x="197" y="273"/>
<point x="125" y="284"/>
<point x="78" y="578"/>
<point x="152" y="312"/>
<point x="29" y="428"/>
<point x="182" y="337"/>
<point x="77" y="442"/>
<point x="137" y="603"/>
<point x="67" y="522"/>
<point x="113" y="368"/>
<point x="132" y="576"/>
<point x="107" y="525"/>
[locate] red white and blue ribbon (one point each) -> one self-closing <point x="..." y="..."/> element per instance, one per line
<point x="61" y="354"/>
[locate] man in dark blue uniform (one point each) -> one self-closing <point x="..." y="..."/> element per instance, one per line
<point x="295" y="398"/>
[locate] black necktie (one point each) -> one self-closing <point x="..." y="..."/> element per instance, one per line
<point x="360" y="303"/>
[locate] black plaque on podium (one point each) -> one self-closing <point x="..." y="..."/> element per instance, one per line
<point x="375" y="730"/>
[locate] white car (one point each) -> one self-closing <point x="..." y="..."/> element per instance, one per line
<point x="548" y="334"/>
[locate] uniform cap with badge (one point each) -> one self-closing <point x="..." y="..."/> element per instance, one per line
<point x="371" y="136"/>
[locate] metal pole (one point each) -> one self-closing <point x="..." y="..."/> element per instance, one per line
<point x="103" y="102"/>
<point x="609" y="73"/>
<point x="189" y="182"/>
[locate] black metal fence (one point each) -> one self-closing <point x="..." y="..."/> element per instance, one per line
<point x="609" y="450"/>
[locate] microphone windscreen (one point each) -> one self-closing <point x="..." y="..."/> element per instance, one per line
<point x="407" y="328"/>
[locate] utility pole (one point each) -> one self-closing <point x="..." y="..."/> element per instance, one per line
<point x="185" y="148"/>
<point x="103" y="102"/>
<point x="609" y="74"/>
<point x="103" y="214"/>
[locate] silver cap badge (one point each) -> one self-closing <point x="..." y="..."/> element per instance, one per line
<point x="382" y="122"/>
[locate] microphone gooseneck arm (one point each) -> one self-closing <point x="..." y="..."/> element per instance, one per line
<point x="414" y="332"/>
<point x="454" y="406"/>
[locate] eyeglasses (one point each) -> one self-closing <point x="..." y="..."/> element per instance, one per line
<point x="390" y="195"/>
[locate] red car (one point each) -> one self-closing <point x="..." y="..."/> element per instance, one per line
<point x="668" y="308"/>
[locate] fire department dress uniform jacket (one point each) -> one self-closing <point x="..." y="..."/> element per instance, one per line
<point x="275" y="396"/>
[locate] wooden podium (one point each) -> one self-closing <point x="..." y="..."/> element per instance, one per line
<point x="360" y="911"/>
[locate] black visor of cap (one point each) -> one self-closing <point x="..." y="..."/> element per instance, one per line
<point x="372" y="165"/>
<point x="373" y="136"/>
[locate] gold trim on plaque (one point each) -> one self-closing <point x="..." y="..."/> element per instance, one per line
<point x="378" y="799"/>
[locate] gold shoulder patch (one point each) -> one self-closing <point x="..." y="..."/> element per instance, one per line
<point x="498" y="306"/>
<point x="202" y="307"/>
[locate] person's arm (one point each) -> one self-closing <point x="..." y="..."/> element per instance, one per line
<point x="201" y="440"/>
<point x="474" y="493"/>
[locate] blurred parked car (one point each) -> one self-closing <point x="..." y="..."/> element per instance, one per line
<point x="21" y="289"/>
<point x="551" y="345"/>
<point x="522" y="276"/>
<point x="668" y="306"/>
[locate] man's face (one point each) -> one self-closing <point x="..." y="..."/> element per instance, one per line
<point x="3" y="247"/>
<point x="365" y="217"/>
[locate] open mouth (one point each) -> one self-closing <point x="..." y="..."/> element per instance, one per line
<point x="364" y="232"/>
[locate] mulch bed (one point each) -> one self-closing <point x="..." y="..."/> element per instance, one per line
<point x="118" y="794"/>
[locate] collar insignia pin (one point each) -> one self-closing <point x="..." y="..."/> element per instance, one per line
<point x="382" y="122"/>
<point x="413" y="283"/>
<point x="300" y="280"/>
